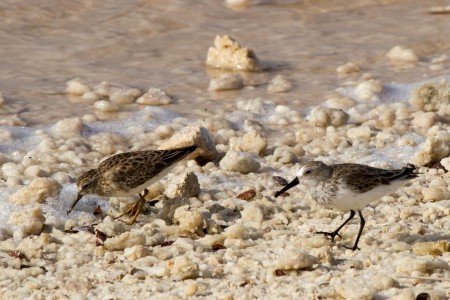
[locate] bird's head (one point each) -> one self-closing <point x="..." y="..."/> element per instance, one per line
<point x="87" y="184"/>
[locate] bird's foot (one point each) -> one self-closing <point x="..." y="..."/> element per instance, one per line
<point x="130" y="211"/>
<point x="330" y="234"/>
<point x="355" y="247"/>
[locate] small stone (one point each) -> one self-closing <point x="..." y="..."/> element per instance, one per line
<point x="235" y="231"/>
<point x="10" y="169"/>
<point x="136" y="252"/>
<point x="190" y="221"/>
<point x="76" y="87"/>
<point x="405" y="294"/>
<point x="154" y="96"/>
<point x="295" y="259"/>
<point x="424" y="119"/>
<point x="251" y="142"/>
<point x="431" y="248"/>
<point x="386" y="119"/>
<point x="121" y="96"/>
<point x="105" y="106"/>
<point x="280" y="180"/>
<point x="242" y="162"/>
<point x="431" y="96"/>
<point x="445" y="162"/>
<point x="228" y="54"/>
<point x="368" y="90"/>
<point x="436" y="193"/>
<point x="382" y="282"/>
<point x="125" y="240"/>
<point x="194" y="135"/>
<point x="182" y="268"/>
<point x="410" y="264"/>
<point x="191" y="289"/>
<point x="34" y="171"/>
<point x="279" y="84"/>
<point x="90" y="96"/>
<point x="247" y="195"/>
<point x="354" y="290"/>
<point x="432" y="150"/>
<point x="401" y="55"/>
<point x="29" y="221"/>
<point x="324" y="116"/>
<point x="103" y="89"/>
<point x="110" y="227"/>
<point x="36" y="192"/>
<point x="186" y="186"/>
<point x="252" y="212"/>
<point x="284" y="155"/>
<point x="360" y="132"/>
<point x="348" y="68"/>
<point x="226" y="82"/>
<point x="68" y="128"/>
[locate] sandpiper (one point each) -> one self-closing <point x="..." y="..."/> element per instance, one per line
<point x="348" y="187"/>
<point x="130" y="173"/>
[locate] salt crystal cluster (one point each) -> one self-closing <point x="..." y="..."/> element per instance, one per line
<point x="228" y="54"/>
<point x="226" y="82"/>
<point x="401" y="55"/>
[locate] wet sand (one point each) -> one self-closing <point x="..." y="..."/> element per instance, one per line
<point x="344" y="93"/>
<point x="163" y="44"/>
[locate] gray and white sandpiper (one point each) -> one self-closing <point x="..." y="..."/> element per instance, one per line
<point x="348" y="187"/>
<point x="130" y="173"/>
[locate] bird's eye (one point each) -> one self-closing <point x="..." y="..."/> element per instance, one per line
<point x="307" y="172"/>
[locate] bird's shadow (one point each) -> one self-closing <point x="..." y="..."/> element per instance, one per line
<point x="417" y="238"/>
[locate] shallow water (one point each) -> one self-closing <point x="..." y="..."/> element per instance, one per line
<point x="164" y="43"/>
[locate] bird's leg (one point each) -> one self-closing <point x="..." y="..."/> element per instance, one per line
<point x="355" y="246"/>
<point x="134" y="209"/>
<point x="336" y="232"/>
<point x="140" y="206"/>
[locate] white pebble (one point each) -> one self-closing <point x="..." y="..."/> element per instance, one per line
<point x="154" y="96"/>
<point x="121" y="96"/>
<point x="226" y="82"/>
<point x="400" y="54"/>
<point x="242" y="162"/>
<point x="279" y="84"/>
<point x="90" y="96"/>
<point x="105" y="106"/>
<point x="11" y="169"/>
<point x="360" y="132"/>
<point x="28" y="221"/>
<point x="369" y="90"/>
<point x="294" y="259"/>
<point x="76" y="87"/>
<point x="348" y="68"/>
<point x="228" y="54"/>
<point x="102" y="89"/>
<point x="182" y="267"/>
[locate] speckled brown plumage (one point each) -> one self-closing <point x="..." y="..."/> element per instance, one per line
<point x="129" y="173"/>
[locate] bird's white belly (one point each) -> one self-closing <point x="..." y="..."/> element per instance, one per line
<point x="140" y="188"/>
<point x="346" y="200"/>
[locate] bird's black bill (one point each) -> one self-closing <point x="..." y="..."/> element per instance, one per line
<point x="288" y="186"/>
<point x="79" y="196"/>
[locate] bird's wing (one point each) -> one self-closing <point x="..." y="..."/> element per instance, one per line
<point x="135" y="168"/>
<point x="361" y="178"/>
